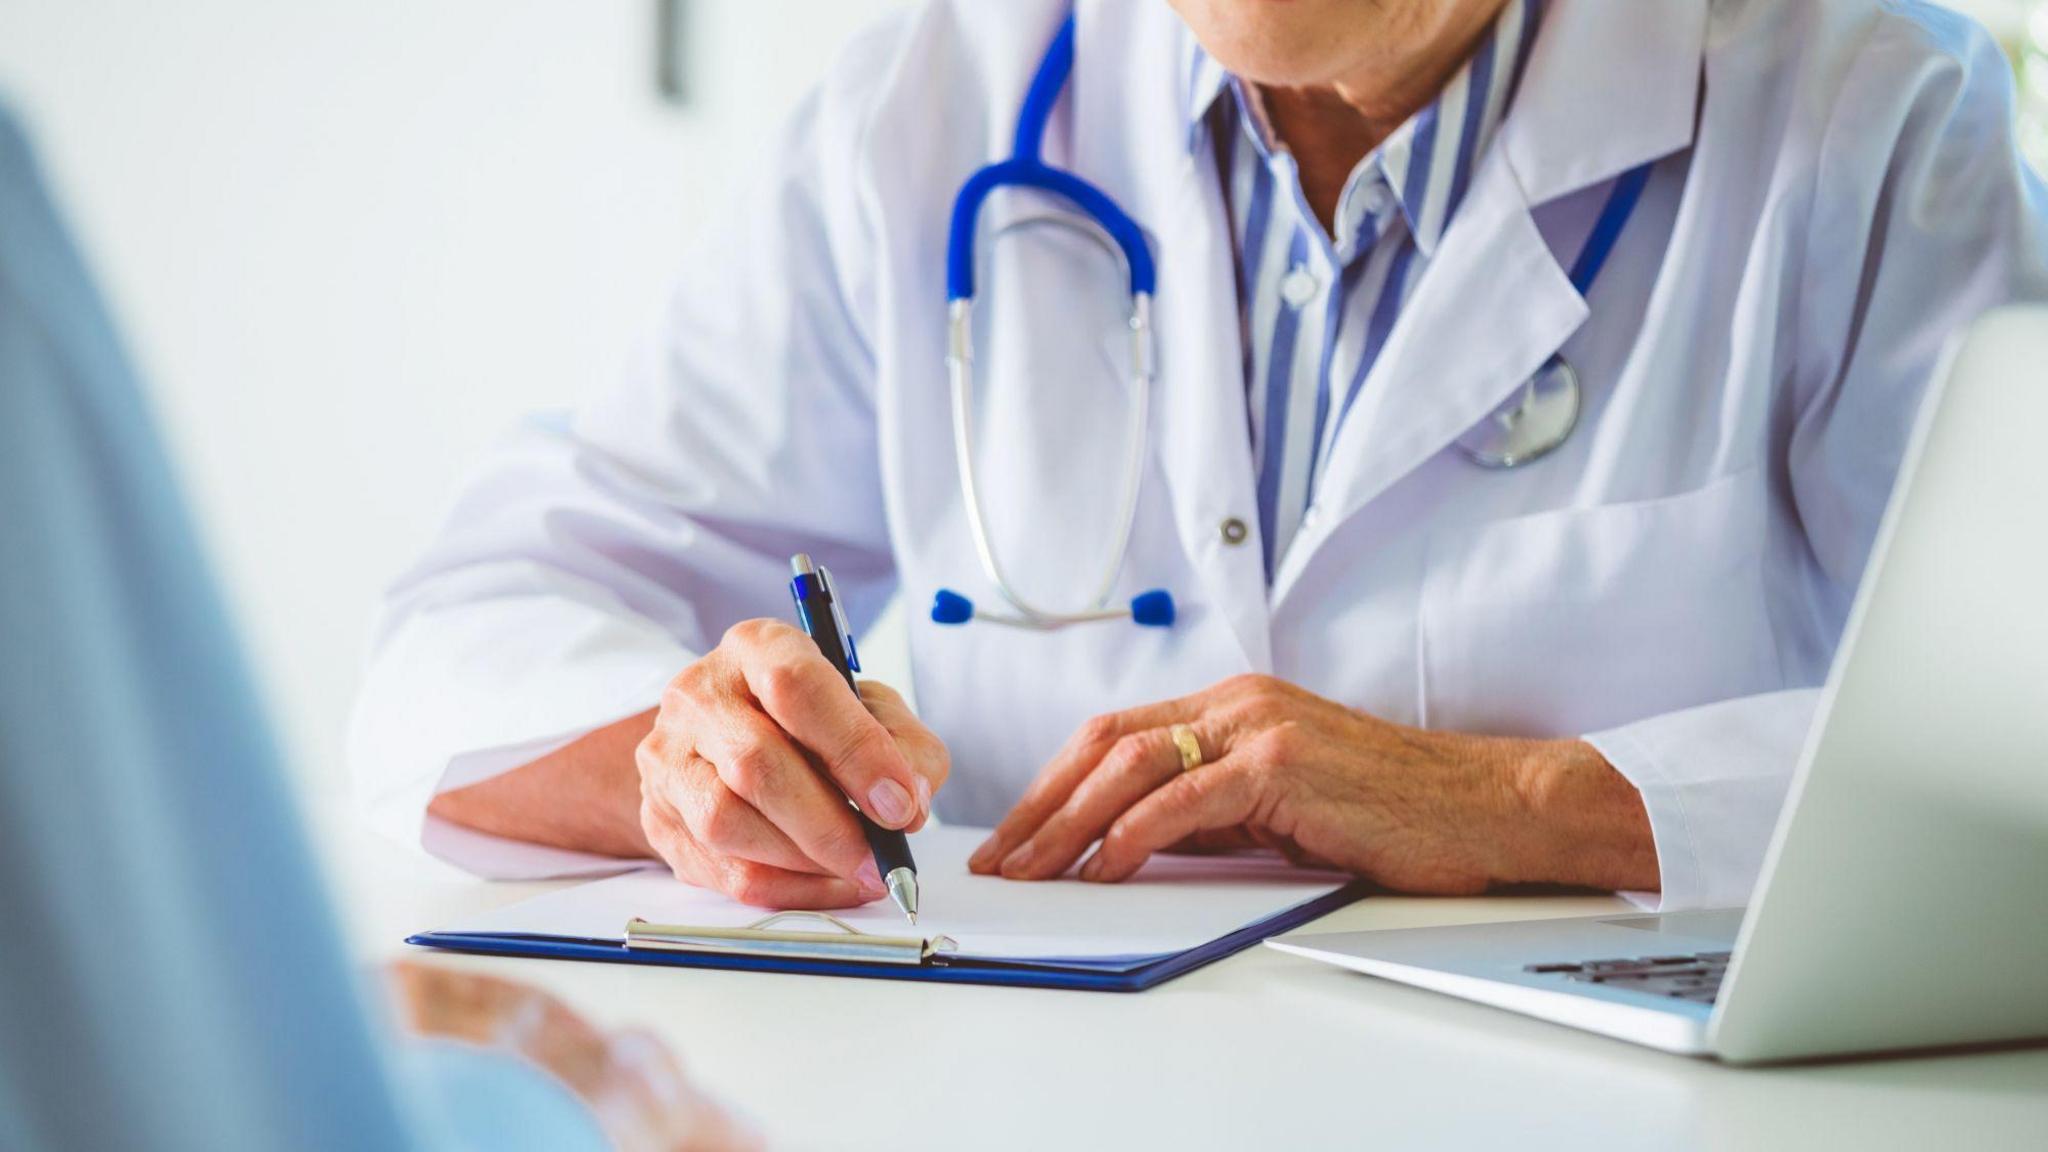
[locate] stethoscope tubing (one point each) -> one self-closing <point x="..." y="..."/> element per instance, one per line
<point x="960" y="377"/>
<point x="1025" y="168"/>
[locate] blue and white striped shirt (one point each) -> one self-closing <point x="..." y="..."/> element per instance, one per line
<point x="1317" y="308"/>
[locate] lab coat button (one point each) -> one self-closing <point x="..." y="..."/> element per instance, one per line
<point x="1234" y="531"/>
<point x="1299" y="286"/>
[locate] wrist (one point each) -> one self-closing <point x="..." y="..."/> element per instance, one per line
<point x="584" y="796"/>
<point x="1572" y="818"/>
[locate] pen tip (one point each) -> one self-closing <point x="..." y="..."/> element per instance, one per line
<point x="902" y="883"/>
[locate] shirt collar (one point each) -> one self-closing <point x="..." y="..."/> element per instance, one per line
<point x="1428" y="160"/>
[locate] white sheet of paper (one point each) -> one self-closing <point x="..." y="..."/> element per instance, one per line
<point x="1174" y="903"/>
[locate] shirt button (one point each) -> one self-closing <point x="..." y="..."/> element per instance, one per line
<point x="1234" y="531"/>
<point x="1312" y="517"/>
<point x="1299" y="286"/>
<point x="1377" y="198"/>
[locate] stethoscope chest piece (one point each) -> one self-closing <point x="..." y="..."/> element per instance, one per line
<point x="1531" y="423"/>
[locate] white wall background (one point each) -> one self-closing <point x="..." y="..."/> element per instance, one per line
<point x="351" y="240"/>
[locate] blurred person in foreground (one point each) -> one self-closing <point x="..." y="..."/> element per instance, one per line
<point x="171" y="975"/>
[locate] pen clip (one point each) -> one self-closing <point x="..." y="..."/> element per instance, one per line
<point x="839" y="617"/>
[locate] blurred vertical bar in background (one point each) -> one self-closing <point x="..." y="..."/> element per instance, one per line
<point x="671" y="50"/>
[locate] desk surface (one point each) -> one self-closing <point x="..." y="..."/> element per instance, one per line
<point x="1258" y="1051"/>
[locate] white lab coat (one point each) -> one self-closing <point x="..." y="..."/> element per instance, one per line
<point x="1836" y="189"/>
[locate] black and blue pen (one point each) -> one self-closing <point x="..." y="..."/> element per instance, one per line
<point x="817" y="610"/>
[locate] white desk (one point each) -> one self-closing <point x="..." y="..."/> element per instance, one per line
<point x="1258" y="1051"/>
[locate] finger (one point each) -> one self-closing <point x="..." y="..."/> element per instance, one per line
<point x="766" y="886"/>
<point x="671" y="839"/>
<point x="1133" y="767"/>
<point x="927" y="754"/>
<point x="807" y="698"/>
<point x="761" y="884"/>
<point x="1215" y="841"/>
<point x="1055" y="783"/>
<point x="1219" y="795"/>
<point x="718" y="821"/>
<point x="758" y="764"/>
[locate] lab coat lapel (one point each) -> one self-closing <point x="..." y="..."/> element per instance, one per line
<point x="1610" y="85"/>
<point x="1130" y="137"/>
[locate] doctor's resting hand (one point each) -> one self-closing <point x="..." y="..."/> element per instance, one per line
<point x="728" y="790"/>
<point x="1282" y="768"/>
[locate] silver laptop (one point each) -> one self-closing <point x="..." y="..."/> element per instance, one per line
<point x="1904" y="899"/>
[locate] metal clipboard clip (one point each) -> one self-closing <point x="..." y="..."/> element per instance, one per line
<point x="833" y="939"/>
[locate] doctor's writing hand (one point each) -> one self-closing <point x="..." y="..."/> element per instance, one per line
<point x="1282" y="768"/>
<point x="734" y="788"/>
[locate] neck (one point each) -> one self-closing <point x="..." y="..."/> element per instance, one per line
<point x="1330" y="127"/>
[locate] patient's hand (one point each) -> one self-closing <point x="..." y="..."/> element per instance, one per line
<point x="629" y="1080"/>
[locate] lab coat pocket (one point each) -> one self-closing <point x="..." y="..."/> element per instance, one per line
<point x="1567" y="622"/>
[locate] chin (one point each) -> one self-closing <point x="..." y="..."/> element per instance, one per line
<point x="1299" y="43"/>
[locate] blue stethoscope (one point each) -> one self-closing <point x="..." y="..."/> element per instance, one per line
<point x="1528" y="426"/>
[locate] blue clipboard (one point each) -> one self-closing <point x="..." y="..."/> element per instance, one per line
<point x="1092" y="974"/>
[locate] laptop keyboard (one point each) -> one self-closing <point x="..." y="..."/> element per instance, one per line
<point x="1695" y="977"/>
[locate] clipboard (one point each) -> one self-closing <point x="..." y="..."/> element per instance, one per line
<point x="827" y="946"/>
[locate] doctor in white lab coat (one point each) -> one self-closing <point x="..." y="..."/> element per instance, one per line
<point x="1597" y="668"/>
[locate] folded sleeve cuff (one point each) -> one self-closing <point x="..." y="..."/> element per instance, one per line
<point x="457" y="698"/>
<point x="1713" y="780"/>
<point x="1678" y="860"/>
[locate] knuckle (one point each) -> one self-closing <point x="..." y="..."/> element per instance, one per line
<point x="688" y="694"/>
<point x="780" y="683"/>
<point x="749" y="634"/>
<point x="1265" y="691"/>
<point x="719" y="821"/>
<point x="1127" y="753"/>
<point x="938" y="759"/>
<point x="1119" y="839"/>
<point x="843" y="844"/>
<point x="679" y="694"/>
<point x="1284" y="744"/>
<point x="867" y="746"/>
<point x="1242" y="684"/>
<point x="1099" y="729"/>
<point x="650" y="756"/>
<point x="879" y="692"/>
<point x="1262" y="774"/>
<point x="654" y="825"/>
<point x="749" y="771"/>
<point x="746" y="883"/>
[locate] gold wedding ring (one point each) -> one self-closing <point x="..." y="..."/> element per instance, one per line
<point x="1190" y="748"/>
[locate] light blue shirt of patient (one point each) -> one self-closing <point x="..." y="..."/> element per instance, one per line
<point x="170" y="973"/>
